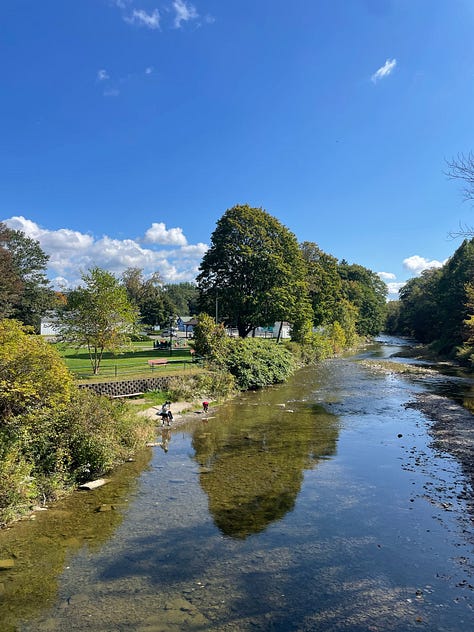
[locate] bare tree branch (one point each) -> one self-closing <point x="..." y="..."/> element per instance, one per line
<point x="462" y="168"/>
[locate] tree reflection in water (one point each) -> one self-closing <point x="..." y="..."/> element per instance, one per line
<point x="252" y="459"/>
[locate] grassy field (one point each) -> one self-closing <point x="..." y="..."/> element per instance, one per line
<point x="131" y="363"/>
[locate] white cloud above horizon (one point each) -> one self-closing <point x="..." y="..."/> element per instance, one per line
<point x="384" y="71"/>
<point x="416" y="264"/>
<point x="72" y="252"/>
<point x="140" y="17"/>
<point x="159" y="234"/>
<point x="387" y="276"/>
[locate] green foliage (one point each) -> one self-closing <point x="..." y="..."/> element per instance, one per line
<point x="210" y="340"/>
<point x="53" y="435"/>
<point x="216" y="384"/>
<point x="100" y="434"/>
<point x="392" y="318"/>
<point x="418" y="315"/>
<point x="25" y="292"/>
<point x="183" y="297"/>
<point x="466" y="351"/>
<point x="32" y="374"/>
<point x="436" y="307"/>
<point x="17" y="487"/>
<point x="98" y="316"/>
<point x="253" y="269"/>
<point x="324" y="283"/>
<point x="256" y="363"/>
<point x="149" y="296"/>
<point x="367" y="292"/>
<point x="336" y="337"/>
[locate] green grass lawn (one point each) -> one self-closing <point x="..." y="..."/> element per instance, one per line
<point x="131" y="363"/>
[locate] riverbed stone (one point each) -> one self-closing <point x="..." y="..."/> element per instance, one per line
<point x="179" y="614"/>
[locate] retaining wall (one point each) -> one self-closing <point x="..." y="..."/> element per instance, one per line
<point x="124" y="388"/>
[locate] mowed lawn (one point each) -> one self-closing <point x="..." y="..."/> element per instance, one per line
<point x="130" y="363"/>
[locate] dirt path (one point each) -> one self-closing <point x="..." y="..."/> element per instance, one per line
<point x="183" y="412"/>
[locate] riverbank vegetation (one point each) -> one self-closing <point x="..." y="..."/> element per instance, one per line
<point x="53" y="435"/>
<point x="255" y="274"/>
<point x="437" y="308"/>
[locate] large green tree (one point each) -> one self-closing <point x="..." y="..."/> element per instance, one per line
<point x="324" y="283"/>
<point x="184" y="297"/>
<point x="98" y="315"/>
<point x="149" y="296"/>
<point x="419" y="310"/>
<point x="253" y="270"/>
<point x="24" y="286"/>
<point x="366" y="291"/>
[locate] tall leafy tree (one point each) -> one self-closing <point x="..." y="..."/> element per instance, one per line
<point x="98" y="315"/>
<point x="184" y="297"/>
<point x="324" y="283"/>
<point x="419" y="315"/>
<point x="149" y="296"/>
<point x="457" y="272"/>
<point x="11" y="286"/>
<point x="30" y="293"/>
<point x="253" y="270"/>
<point x="366" y="290"/>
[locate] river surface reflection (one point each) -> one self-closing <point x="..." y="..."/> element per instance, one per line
<point x="295" y="508"/>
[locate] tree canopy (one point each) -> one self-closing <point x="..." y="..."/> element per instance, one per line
<point x="25" y="291"/>
<point x="253" y="270"/>
<point x="437" y="306"/>
<point x="149" y="296"/>
<point x="97" y="315"/>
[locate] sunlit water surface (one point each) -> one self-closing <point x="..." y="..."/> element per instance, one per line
<point x="295" y="508"/>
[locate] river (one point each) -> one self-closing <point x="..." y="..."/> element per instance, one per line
<point x="320" y="504"/>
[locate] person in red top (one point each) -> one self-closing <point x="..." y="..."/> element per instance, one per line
<point x="205" y="406"/>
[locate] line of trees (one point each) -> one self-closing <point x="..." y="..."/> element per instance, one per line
<point x="438" y="307"/>
<point x="255" y="274"/>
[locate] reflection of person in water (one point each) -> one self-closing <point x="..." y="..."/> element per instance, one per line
<point x="165" y="439"/>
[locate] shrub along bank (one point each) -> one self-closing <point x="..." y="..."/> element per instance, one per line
<point x="53" y="436"/>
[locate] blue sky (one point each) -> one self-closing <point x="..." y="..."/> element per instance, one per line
<point x="128" y="127"/>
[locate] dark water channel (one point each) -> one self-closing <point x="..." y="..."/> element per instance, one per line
<point x="296" y="508"/>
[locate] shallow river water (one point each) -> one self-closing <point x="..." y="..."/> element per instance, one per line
<point x="315" y="505"/>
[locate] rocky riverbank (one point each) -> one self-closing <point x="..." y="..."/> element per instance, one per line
<point x="452" y="431"/>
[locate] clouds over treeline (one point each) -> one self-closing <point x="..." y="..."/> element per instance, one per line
<point x="415" y="265"/>
<point x="163" y="250"/>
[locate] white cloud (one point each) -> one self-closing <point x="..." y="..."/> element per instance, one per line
<point x="72" y="252"/>
<point x="102" y="75"/>
<point x="385" y="70"/>
<point x="417" y="264"/>
<point x="142" y="18"/>
<point x="148" y="70"/>
<point x="393" y="289"/>
<point x="387" y="276"/>
<point x="185" y="11"/>
<point x="159" y="234"/>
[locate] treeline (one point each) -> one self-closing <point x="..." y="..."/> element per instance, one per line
<point x="26" y="293"/>
<point x="255" y="273"/>
<point x="437" y="308"/>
